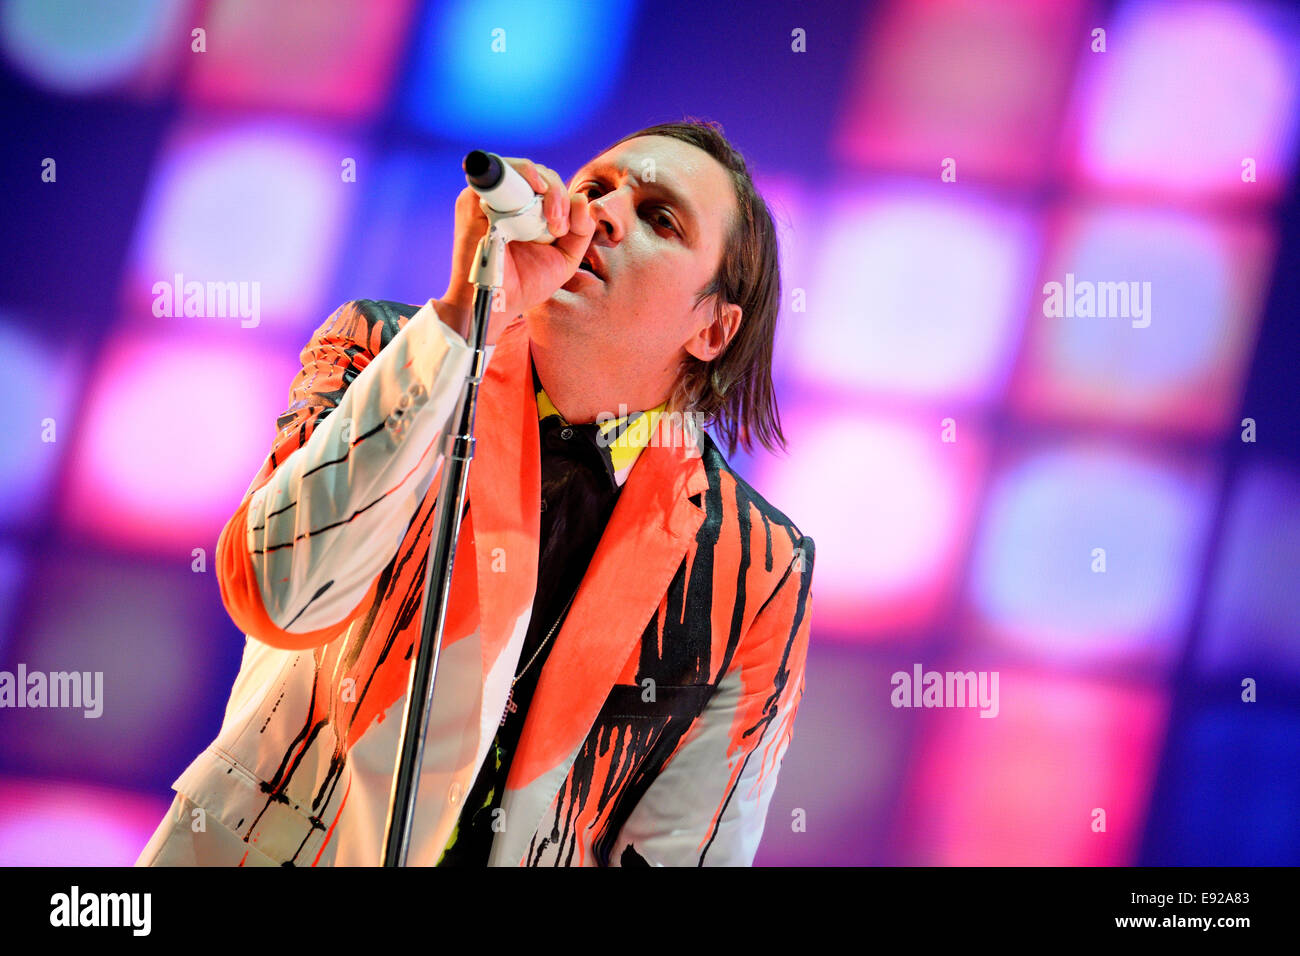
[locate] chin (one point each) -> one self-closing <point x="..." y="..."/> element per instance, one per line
<point x="564" y="312"/>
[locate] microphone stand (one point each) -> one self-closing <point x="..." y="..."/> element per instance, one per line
<point x="487" y="274"/>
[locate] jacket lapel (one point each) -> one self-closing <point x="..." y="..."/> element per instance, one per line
<point x="648" y="535"/>
<point x="505" y="492"/>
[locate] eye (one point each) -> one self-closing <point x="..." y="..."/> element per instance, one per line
<point x="663" y="217"/>
<point x="587" y="188"/>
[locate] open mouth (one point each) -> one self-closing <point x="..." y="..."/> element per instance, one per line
<point x="579" y="279"/>
<point x="591" y="264"/>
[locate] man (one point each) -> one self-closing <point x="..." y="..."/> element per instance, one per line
<point x="628" y="620"/>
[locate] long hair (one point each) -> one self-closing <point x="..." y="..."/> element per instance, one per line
<point x="733" y="393"/>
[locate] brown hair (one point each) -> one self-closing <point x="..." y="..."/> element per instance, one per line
<point x="734" y="392"/>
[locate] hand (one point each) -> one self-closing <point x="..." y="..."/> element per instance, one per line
<point x="533" y="270"/>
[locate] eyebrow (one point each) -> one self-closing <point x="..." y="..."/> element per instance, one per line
<point x="689" y="214"/>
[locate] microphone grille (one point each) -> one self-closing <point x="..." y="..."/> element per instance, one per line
<point x="482" y="169"/>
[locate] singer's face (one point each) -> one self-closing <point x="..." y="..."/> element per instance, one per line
<point x="663" y="209"/>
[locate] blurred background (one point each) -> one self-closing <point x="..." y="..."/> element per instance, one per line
<point x="958" y="455"/>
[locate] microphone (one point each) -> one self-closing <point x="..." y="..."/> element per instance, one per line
<point x="506" y="195"/>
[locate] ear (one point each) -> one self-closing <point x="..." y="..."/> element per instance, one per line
<point x="713" y="337"/>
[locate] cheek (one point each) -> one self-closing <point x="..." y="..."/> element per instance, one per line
<point x="664" y="286"/>
<point x="656" y="314"/>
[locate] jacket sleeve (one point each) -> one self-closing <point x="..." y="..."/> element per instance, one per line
<point x="356" y="450"/>
<point x="708" y="804"/>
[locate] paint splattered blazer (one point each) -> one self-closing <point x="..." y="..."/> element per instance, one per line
<point x="667" y="702"/>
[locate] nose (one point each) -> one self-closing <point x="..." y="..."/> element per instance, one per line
<point x="610" y="211"/>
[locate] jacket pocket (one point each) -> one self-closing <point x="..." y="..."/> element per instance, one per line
<point x="655" y="701"/>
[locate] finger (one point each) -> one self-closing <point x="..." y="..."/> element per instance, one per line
<point x="573" y="244"/>
<point x="554" y="201"/>
<point x="528" y="169"/>
<point x="582" y="220"/>
<point x="553" y="205"/>
<point x="469" y="211"/>
<point x="557" y="193"/>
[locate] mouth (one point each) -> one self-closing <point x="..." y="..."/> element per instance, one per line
<point x="591" y="264"/>
<point x="579" y="280"/>
<point x="591" y="270"/>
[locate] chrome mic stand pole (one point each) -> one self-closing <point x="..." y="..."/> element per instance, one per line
<point x="487" y="275"/>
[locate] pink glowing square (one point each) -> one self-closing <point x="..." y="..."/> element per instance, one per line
<point x="172" y="434"/>
<point x="1023" y="788"/>
<point x="336" y="57"/>
<point x="240" y="227"/>
<point x="914" y="291"/>
<point x="889" y="513"/>
<point x="1177" y="357"/>
<point x="980" y="83"/>
<point x="60" y="823"/>
<point x="1184" y="95"/>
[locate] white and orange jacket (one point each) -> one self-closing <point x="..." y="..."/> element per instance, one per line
<point x="667" y="701"/>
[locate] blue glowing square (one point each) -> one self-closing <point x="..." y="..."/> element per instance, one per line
<point x="1089" y="554"/>
<point x="495" y="70"/>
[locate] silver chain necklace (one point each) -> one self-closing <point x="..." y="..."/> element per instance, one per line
<point x="511" y="706"/>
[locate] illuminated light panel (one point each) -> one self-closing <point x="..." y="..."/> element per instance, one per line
<point x="81" y="48"/>
<point x="1234" y="772"/>
<point x="917" y="294"/>
<point x="1032" y="586"/>
<point x="462" y="90"/>
<point x="257" y="203"/>
<point x="147" y="628"/>
<point x="1252" y="622"/>
<point x="889" y="514"/>
<point x="1020" y="789"/>
<point x="173" y="433"/>
<point x="41" y="382"/>
<point x="980" y="83"/>
<point x="843" y="724"/>
<point x="1180" y="365"/>
<point x="796" y="235"/>
<point x="58" y="823"/>
<point x="288" y="55"/>
<point x="1184" y="93"/>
